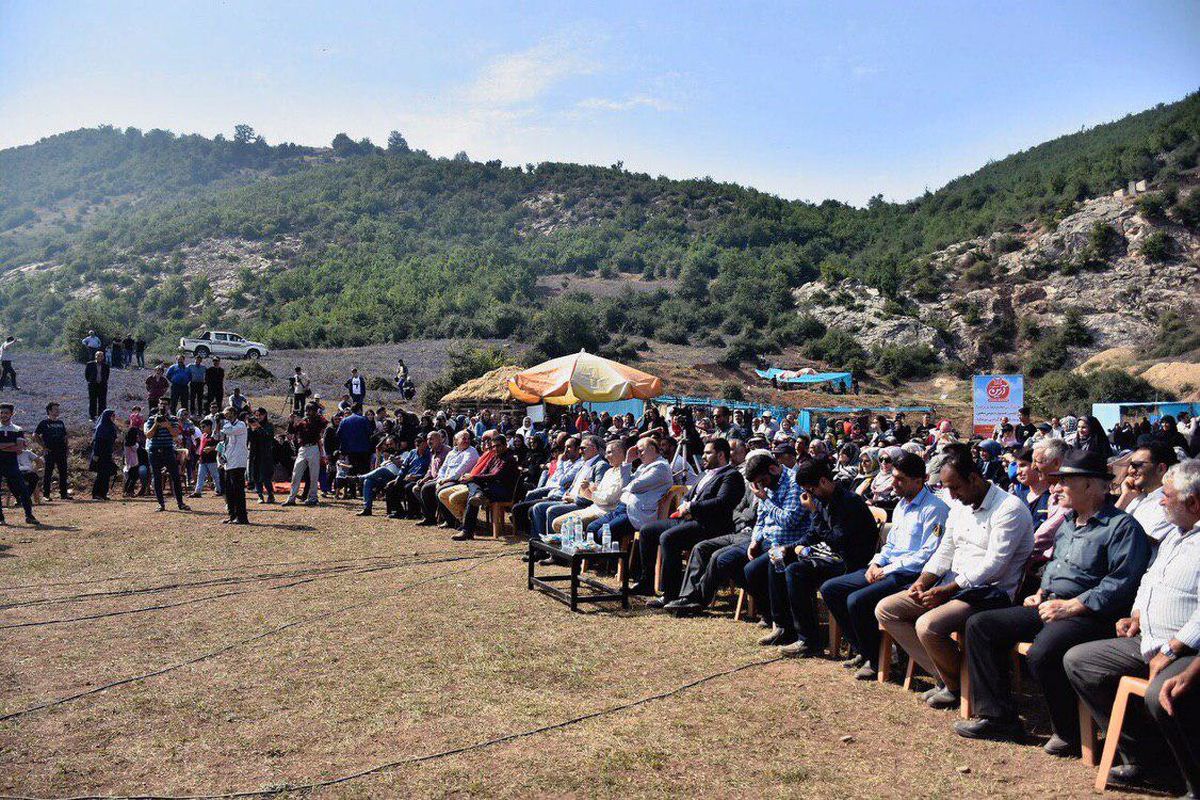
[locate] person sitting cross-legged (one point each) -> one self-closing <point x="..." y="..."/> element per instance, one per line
<point x="842" y="536"/>
<point x="1159" y="642"/>
<point x="495" y="483"/>
<point x="977" y="567"/>
<point x="640" y="497"/>
<point x="716" y="561"/>
<point x="565" y="469"/>
<point x="917" y="525"/>
<point x="543" y="514"/>
<point x="1100" y="554"/>
<point x="705" y="513"/>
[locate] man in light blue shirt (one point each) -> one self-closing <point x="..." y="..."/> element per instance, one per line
<point x="590" y="471"/>
<point x="565" y="469"/>
<point x="917" y="525"/>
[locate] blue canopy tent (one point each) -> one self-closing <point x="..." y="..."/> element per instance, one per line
<point x="775" y="375"/>
<point x="1109" y="414"/>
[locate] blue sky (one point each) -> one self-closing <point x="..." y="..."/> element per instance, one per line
<point x="808" y="100"/>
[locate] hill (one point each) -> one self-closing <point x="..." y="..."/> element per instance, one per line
<point x="358" y="244"/>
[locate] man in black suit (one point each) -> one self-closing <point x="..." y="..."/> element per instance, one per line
<point x="96" y="375"/>
<point x="705" y="513"/>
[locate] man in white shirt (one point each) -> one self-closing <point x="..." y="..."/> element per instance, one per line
<point x="237" y="457"/>
<point x="6" y="368"/>
<point x="977" y="566"/>
<point x="1142" y="492"/>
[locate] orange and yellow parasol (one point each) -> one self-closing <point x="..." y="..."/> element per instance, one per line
<point x="582" y="377"/>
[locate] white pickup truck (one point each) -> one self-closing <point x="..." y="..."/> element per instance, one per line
<point x="223" y="344"/>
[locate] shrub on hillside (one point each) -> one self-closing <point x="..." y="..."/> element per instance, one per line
<point x="463" y="364"/>
<point x="250" y="371"/>
<point x="377" y="383"/>
<point x="732" y="392"/>
<point x="839" y="349"/>
<point x="1151" y="207"/>
<point x="1158" y="246"/>
<point x="1060" y="392"/>
<point x="900" y="363"/>
<point x="1188" y="209"/>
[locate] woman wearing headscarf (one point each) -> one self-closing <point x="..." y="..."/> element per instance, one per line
<point x="880" y="492"/>
<point x="846" y="471"/>
<point x="868" y="468"/>
<point x="1091" y="438"/>
<point x="104" y="440"/>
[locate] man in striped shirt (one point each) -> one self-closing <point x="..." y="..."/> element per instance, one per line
<point x="782" y="523"/>
<point x="1158" y="641"/>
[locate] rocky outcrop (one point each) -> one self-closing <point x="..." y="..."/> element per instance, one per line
<point x="992" y="287"/>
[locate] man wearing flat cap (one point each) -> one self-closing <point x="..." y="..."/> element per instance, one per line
<point x="1100" y="554"/>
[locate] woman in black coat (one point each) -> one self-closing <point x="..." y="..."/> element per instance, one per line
<point x="104" y="440"/>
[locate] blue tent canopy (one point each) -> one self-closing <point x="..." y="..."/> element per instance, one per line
<point x="775" y="373"/>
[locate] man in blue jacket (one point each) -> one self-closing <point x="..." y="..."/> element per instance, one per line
<point x="180" y="378"/>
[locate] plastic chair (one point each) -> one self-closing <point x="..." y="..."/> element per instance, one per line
<point x="1129" y="686"/>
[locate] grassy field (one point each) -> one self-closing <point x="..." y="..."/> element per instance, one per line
<point x="315" y="645"/>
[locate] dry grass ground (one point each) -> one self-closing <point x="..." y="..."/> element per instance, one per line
<point x="388" y="657"/>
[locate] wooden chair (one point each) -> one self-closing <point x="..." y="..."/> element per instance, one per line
<point x="885" y="661"/>
<point x="1087" y="725"/>
<point x="666" y="507"/>
<point x="1129" y="686"/>
<point x="495" y="513"/>
<point x="745" y="602"/>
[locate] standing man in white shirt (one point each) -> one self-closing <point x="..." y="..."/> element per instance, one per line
<point x="6" y="367"/>
<point x="237" y="457"/>
<point x="1142" y="492"/>
<point x="977" y="567"/>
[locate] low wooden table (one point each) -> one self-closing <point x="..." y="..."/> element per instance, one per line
<point x="604" y="593"/>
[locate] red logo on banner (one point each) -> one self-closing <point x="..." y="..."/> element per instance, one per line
<point x="998" y="390"/>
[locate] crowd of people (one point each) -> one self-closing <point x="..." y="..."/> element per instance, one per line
<point x="1082" y="541"/>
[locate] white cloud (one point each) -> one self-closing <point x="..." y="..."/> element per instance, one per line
<point x="636" y="101"/>
<point x="522" y="77"/>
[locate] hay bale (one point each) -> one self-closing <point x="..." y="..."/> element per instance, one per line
<point x="491" y="387"/>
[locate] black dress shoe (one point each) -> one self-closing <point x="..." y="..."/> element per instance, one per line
<point x="683" y="606"/>
<point x="1127" y="775"/>
<point x="655" y="602"/>
<point x="363" y="513"/>
<point x="991" y="729"/>
<point x="642" y="589"/>
<point x="462" y="537"/>
<point x="1061" y="748"/>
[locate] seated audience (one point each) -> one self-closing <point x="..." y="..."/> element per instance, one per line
<point x="781" y="524"/>
<point x="705" y="513"/>
<point x="1100" y="553"/>
<point x="605" y="496"/>
<point x="494" y="482"/>
<point x="1141" y="491"/>
<point x="841" y="537"/>
<point x="456" y="466"/>
<point x="543" y="514"/>
<point x="566" y="467"/>
<point x="1158" y="641"/>
<point x="640" y="498"/>
<point x="977" y="566"/>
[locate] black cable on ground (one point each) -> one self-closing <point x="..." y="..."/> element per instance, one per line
<point x="249" y="640"/>
<point x="317" y="565"/>
<point x="390" y="765"/>
<point x="195" y="600"/>
<point x="315" y="574"/>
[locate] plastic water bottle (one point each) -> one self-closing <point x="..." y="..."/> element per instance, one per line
<point x="606" y="538"/>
